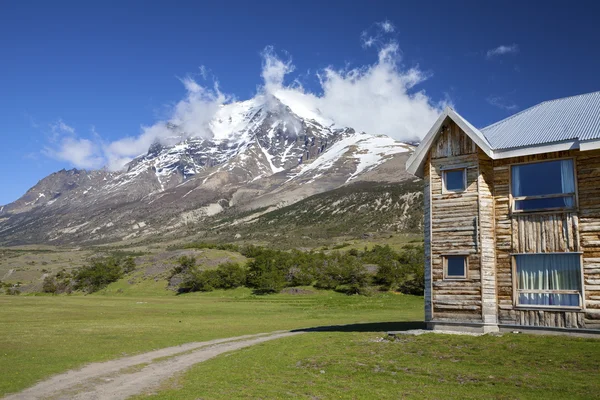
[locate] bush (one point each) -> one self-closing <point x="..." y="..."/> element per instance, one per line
<point x="343" y="273"/>
<point x="128" y="265"/>
<point x="226" y="276"/>
<point x="199" y="281"/>
<point x="230" y="276"/>
<point x="267" y="272"/>
<point x="98" y="274"/>
<point x="49" y="285"/>
<point x="186" y="264"/>
<point x="13" y="290"/>
<point x="413" y="259"/>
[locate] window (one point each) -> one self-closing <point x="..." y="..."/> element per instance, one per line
<point x="549" y="279"/>
<point x="455" y="267"/>
<point x="543" y="185"/>
<point x="454" y="180"/>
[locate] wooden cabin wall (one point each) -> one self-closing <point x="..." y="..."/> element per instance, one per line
<point x="454" y="218"/>
<point x="487" y="239"/>
<point x="427" y="242"/>
<point x="588" y="185"/>
<point x="534" y="233"/>
<point x="479" y="222"/>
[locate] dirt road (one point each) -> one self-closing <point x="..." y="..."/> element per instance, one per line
<point x="128" y="376"/>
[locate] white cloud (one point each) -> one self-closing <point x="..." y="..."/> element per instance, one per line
<point x="274" y="69"/>
<point x="377" y="98"/>
<point x="81" y="153"/>
<point x="386" y="26"/>
<point x="191" y="116"/>
<point x="378" y="34"/>
<point x="502" y="103"/>
<point x="502" y="50"/>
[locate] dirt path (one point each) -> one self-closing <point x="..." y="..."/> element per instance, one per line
<point x="128" y="376"/>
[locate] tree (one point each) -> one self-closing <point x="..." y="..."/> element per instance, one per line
<point x="231" y="276"/>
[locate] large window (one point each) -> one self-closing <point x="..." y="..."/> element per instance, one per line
<point x="549" y="279"/>
<point x="543" y="185"/>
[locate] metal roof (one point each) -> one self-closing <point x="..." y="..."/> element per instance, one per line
<point x="569" y="118"/>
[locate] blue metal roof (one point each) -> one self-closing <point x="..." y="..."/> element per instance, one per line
<point x="569" y="118"/>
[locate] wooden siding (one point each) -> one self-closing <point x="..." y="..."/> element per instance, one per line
<point x="545" y="233"/>
<point x="427" y="243"/>
<point x="548" y="232"/>
<point x="588" y="184"/>
<point x="487" y="239"/>
<point x="451" y="142"/>
<point x="454" y="219"/>
<point x="550" y="319"/>
<point x="479" y="223"/>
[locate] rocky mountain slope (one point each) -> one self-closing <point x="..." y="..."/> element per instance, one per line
<point x="264" y="154"/>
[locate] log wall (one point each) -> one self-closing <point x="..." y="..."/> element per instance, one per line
<point x="546" y="232"/>
<point x="487" y="239"/>
<point x="427" y="242"/>
<point x="588" y="185"/>
<point x="454" y="228"/>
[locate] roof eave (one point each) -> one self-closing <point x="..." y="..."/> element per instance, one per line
<point x="415" y="163"/>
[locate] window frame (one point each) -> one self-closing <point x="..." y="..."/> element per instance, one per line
<point x="452" y="169"/>
<point x="455" y="277"/>
<point x="513" y="199"/>
<point x="516" y="291"/>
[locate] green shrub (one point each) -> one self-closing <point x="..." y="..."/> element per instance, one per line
<point x="199" y="281"/>
<point x="230" y="276"/>
<point x="186" y="265"/>
<point x="344" y="273"/>
<point x="226" y="276"/>
<point x="413" y="259"/>
<point x="49" y="285"/>
<point x="13" y="291"/>
<point x="267" y="273"/>
<point x="98" y="274"/>
<point x="128" y="265"/>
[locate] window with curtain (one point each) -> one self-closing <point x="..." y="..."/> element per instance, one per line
<point x="543" y="185"/>
<point x="549" y="279"/>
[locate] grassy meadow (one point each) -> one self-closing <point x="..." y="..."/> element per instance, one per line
<point x="45" y="335"/>
<point x="360" y="365"/>
<point x="42" y="335"/>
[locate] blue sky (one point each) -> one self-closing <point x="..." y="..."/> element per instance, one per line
<point x="99" y="71"/>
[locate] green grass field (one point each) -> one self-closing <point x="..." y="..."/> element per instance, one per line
<point x="45" y="335"/>
<point x="355" y="365"/>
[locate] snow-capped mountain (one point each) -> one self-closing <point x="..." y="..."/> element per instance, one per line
<point x="269" y="151"/>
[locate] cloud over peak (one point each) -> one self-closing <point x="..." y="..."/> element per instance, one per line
<point x="378" y="98"/>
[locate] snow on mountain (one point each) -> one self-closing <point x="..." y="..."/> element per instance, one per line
<point x="369" y="150"/>
<point x="272" y="149"/>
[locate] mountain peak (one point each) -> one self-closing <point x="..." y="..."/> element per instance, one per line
<point x="273" y="149"/>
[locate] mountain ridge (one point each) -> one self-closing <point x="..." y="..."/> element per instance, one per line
<point x="261" y="153"/>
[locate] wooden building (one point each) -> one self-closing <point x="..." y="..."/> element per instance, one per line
<point x="512" y="219"/>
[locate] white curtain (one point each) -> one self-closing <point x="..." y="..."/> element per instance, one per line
<point x="549" y="272"/>
<point x="567" y="180"/>
<point x="516" y="181"/>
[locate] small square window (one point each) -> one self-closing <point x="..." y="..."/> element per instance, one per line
<point x="455" y="267"/>
<point x="455" y="180"/>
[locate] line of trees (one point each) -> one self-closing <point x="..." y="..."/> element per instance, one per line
<point x="269" y="271"/>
